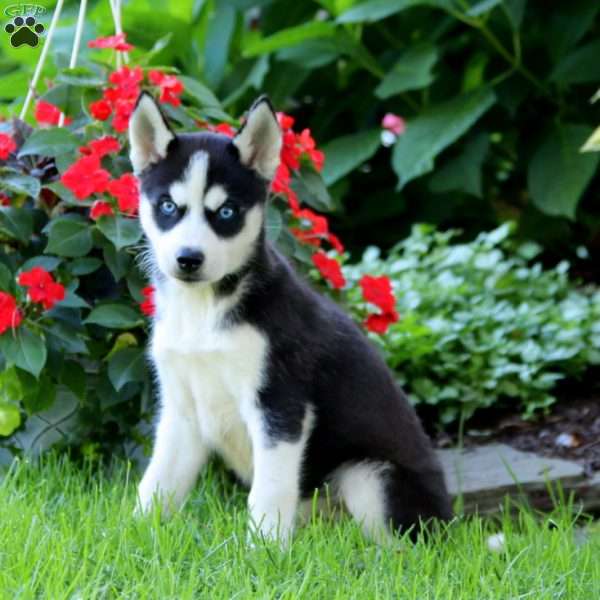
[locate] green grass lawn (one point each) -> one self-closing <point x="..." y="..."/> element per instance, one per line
<point x="69" y="533"/>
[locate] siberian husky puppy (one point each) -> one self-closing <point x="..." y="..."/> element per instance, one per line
<point x="252" y="363"/>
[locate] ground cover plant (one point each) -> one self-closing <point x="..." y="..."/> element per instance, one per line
<point x="483" y="323"/>
<point x="68" y="532"/>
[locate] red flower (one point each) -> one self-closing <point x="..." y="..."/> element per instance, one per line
<point x="126" y="191"/>
<point x="10" y="315"/>
<point x="100" y="208"/>
<point x="86" y="177"/>
<point x="285" y="121"/>
<point x="101" y="109"/>
<point x="116" y="42"/>
<point x="170" y="87"/>
<point x="48" y="114"/>
<point x="42" y="287"/>
<point x="101" y="147"/>
<point x="380" y="323"/>
<point x="394" y="123"/>
<point x="225" y="129"/>
<point x="7" y="145"/>
<point x="127" y="80"/>
<point x="308" y="146"/>
<point x="147" y="306"/>
<point x="378" y="291"/>
<point x="335" y="242"/>
<point x="4" y="199"/>
<point x="330" y="269"/>
<point x="123" y="111"/>
<point x="319" y="227"/>
<point x="121" y="98"/>
<point x="290" y="151"/>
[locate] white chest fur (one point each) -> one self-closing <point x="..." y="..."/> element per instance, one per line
<point x="217" y="370"/>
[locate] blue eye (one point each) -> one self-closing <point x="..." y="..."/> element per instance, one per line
<point x="167" y="207"/>
<point x="226" y="212"/>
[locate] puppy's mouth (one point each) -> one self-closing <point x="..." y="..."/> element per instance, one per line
<point x="188" y="278"/>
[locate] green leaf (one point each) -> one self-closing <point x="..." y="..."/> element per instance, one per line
<point x="411" y="72"/>
<point x="48" y="263"/>
<point x="375" y="10"/>
<point x="515" y="9"/>
<point x="84" y="266"/>
<point x="80" y="77"/>
<point x="558" y="173"/>
<point x="66" y="338"/>
<point x="580" y="66"/>
<point x="16" y="223"/>
<point x="289" y="37"/>
<point x="118" y="261"/>
<point x="345" y="153"/>
<point x="482" y="7"/>
<point x="434" y="130"/>
<point x="463" y="173"/>
<point x="69" y="237"/>
<point x="199" y="92"/>
<point x="6" y="278"/>
<point x="49" y="142"/>
<point x="311" y="190"/>
<point x="38" y="395"/>
<point x="74" y="377"/>
<point x="273" y="222"/>
<point x="24" y="349"/>
<point x="121" y="231"/>
<point x="221" y="24"/>
<point x="311" y="54"/>
<point x="72" y="300"/>
<point x="115" y="316"/>
<point x="21" y="184"/>
<point x="10" y="418"/>
<point x="126" y="366"/>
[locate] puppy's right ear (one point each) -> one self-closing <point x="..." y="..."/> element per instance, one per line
<point x="149" y="133"/>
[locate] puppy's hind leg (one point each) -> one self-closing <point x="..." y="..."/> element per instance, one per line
<point x="363" y="489"/>
<point x="385" y="499"/>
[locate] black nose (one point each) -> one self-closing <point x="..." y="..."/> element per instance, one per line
<point x="189" y="260"/>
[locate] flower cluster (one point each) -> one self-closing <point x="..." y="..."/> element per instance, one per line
<point x="147" y="306"/>
<point x="41" y="289"/>
<point x="7" y="146"/>
<point x="86" y="177"/>
<point x="115" y="42"/>
<point x="48" y="114"/>
<point x="10" y="315"/>
<point x="378" y="291"/>
<point x="170" y="87"/>
<point x="119" y="99"/>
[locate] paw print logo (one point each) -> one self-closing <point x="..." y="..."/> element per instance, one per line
<point x="24" y="31"/>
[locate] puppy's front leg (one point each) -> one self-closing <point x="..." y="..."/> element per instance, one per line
<point x="275" y="490"/>
<point x="178" y="453"/>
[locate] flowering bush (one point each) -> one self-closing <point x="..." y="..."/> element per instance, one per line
<point x="482" y="323"/>
<point x="74" y="299"/>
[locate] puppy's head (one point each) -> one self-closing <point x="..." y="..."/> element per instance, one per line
<point x="203" y="194"/>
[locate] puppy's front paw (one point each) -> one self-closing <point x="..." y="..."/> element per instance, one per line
<point x="268" y="531"/>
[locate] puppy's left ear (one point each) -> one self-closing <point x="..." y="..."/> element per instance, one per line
<point x="259" y="139"/>
<point x="149" y="133"/>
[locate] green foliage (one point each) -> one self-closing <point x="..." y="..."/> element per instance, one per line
<point x="497" y="90"/>
<point x="482" y="324"/>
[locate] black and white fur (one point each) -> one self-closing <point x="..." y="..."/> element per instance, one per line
<point x="252" y="363"/>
